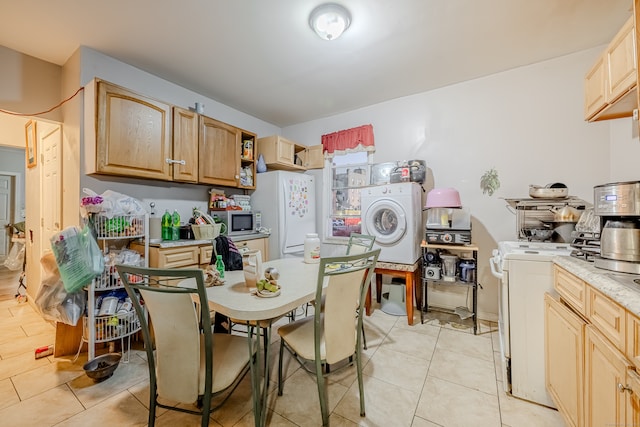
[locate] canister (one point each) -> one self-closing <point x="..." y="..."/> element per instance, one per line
<point x="311" y="248"/>
<point x="468" y="270"/>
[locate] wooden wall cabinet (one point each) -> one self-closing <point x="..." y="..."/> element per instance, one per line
<point x="219" y="153"/>
<point x="133" y="134"/>
<point x="185" y="145"/>
<point x="136" y="136"/>
<point x="610" y="85"/>
<point x="283" y="154"/>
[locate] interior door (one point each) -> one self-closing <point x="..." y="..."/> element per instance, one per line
<point x="6" y="207"/>
<point x="51" y="194"/>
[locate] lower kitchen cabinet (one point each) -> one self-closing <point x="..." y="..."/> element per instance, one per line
<point x="564" y="367"/>
<point x="589" y="357"/>
<point x="197" y="254"/>
<point x="605" y="400"/>
<point x="253" y="244"/>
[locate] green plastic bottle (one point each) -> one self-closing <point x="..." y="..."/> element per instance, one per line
<point x="220" y="265"/>
<point x="167" y="232"/>
<point x="175" y="229"/>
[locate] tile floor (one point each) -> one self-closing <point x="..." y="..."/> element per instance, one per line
<point x="424" y="375"/>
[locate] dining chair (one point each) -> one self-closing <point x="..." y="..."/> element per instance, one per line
<point x="358" y="243"/>
<point x="332" y="334"/>
<point x="187" y="366"/>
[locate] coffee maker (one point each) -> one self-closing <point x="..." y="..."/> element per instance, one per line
<point x="618" y="205"/>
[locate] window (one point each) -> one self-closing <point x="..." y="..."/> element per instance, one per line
<point x="349" y="173"/>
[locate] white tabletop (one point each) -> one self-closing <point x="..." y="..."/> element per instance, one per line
<point x="297" y="286"/>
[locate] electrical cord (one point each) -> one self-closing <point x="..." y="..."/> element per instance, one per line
<point x="61" y="103"/>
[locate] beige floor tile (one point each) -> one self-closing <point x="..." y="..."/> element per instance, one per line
<point x="273" y="420"/>
<point x="391" y="366"/>
<point x="470" y="372"/>
<point x="408" y="342"/>
<point x="26" y="345"/>
<point x="300" y="402"/>
<point x="471" y="345"/>
<point x="423" y="328"/>
<point x="174" y="418"/>
<point x="385" y="404"/>
<point x="125" y="376"/>
<point x="497" y="363"/>
<point x="238" y="405"/>
<point x="453" y="405"/>
<point x="46" y="409"/>
<point x="45" y="377"/>
<point x="123" y="409"/>
<point x="518" y="413"/>
<point x="8" y="394"/>
<point x="37" y="327"/>
<point x="420" y="422"/>
<point x="21" y="363"/>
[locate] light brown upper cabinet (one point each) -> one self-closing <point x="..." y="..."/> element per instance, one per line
<point x="185" y="145"/>
<point x="225" y="158"/>
<point x="281" y="153"/>
<point x="610" y="84"/>
<point x="132" y="134"/>
<point x="219" y="153"/>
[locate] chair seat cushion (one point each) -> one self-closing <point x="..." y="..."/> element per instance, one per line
<point x="299" y="336"/>
<point x="230" y="351"/>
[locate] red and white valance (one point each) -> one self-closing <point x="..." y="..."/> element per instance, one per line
<point x="349" y="141"/>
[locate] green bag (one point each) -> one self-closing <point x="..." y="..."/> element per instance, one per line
<point x="78" y="257"/>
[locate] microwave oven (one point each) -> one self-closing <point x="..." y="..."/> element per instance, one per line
<point x="237" y="221"/>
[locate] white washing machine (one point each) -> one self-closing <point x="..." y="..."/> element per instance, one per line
<point x="392" y="213"/>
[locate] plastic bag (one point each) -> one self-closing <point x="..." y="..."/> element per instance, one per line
<point x="16" y="257"/>
<point x="110" y="204"/>
<point x="53" y="301"/>
<point x="78" y="257"/>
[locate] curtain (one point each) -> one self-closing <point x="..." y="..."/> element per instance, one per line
<point x="349" y="140"/>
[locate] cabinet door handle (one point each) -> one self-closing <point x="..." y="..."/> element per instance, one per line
<point x="171" y="161"/>
<point x="623" y="388"/>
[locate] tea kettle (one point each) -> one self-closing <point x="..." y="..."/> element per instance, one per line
<point x="566" y="214"/>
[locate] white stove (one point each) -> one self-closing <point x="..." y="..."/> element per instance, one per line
<point x="525" y="270"/>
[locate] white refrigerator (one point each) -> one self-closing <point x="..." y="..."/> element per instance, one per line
<point x="287" y="203"/>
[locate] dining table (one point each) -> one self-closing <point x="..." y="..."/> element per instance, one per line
<point x="237" y="300"/>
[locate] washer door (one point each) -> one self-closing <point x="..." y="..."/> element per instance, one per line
<point x="386" y="220"/>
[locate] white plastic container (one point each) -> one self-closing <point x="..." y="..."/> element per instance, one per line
<point x="311" y="248"/>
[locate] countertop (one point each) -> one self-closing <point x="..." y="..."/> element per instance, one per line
<point x="185" y="242"/>
<point x="617" y="286"/>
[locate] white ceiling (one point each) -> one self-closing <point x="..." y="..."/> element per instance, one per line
<point x="261" y="57"/>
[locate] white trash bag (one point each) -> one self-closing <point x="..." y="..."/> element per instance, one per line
<point x="16" y="257"/>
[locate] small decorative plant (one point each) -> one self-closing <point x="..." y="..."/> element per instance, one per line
<point x="490" y="182"/>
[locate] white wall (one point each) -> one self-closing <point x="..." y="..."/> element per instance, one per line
<point x="527" y="123"/>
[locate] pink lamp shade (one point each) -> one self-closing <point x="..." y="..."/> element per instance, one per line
<point x="443" y="198"/>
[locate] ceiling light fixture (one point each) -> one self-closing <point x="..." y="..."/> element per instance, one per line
<point x="329" y="20"/>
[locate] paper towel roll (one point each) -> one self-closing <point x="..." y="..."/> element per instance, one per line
<point x="155" y="229"/>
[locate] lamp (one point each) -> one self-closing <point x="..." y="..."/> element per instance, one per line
<point x="329" y="20"/>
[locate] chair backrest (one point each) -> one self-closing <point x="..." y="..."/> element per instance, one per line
<point x="360" y="243"/>
<point x="181" y="329"/>
<point x="343" y="282"/>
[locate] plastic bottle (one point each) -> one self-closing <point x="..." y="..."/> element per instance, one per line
<point x="167" y="232"/>
<point x="220" y="265"/>
<point x="311" y="248"/>
<point x="175" y="225"/>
